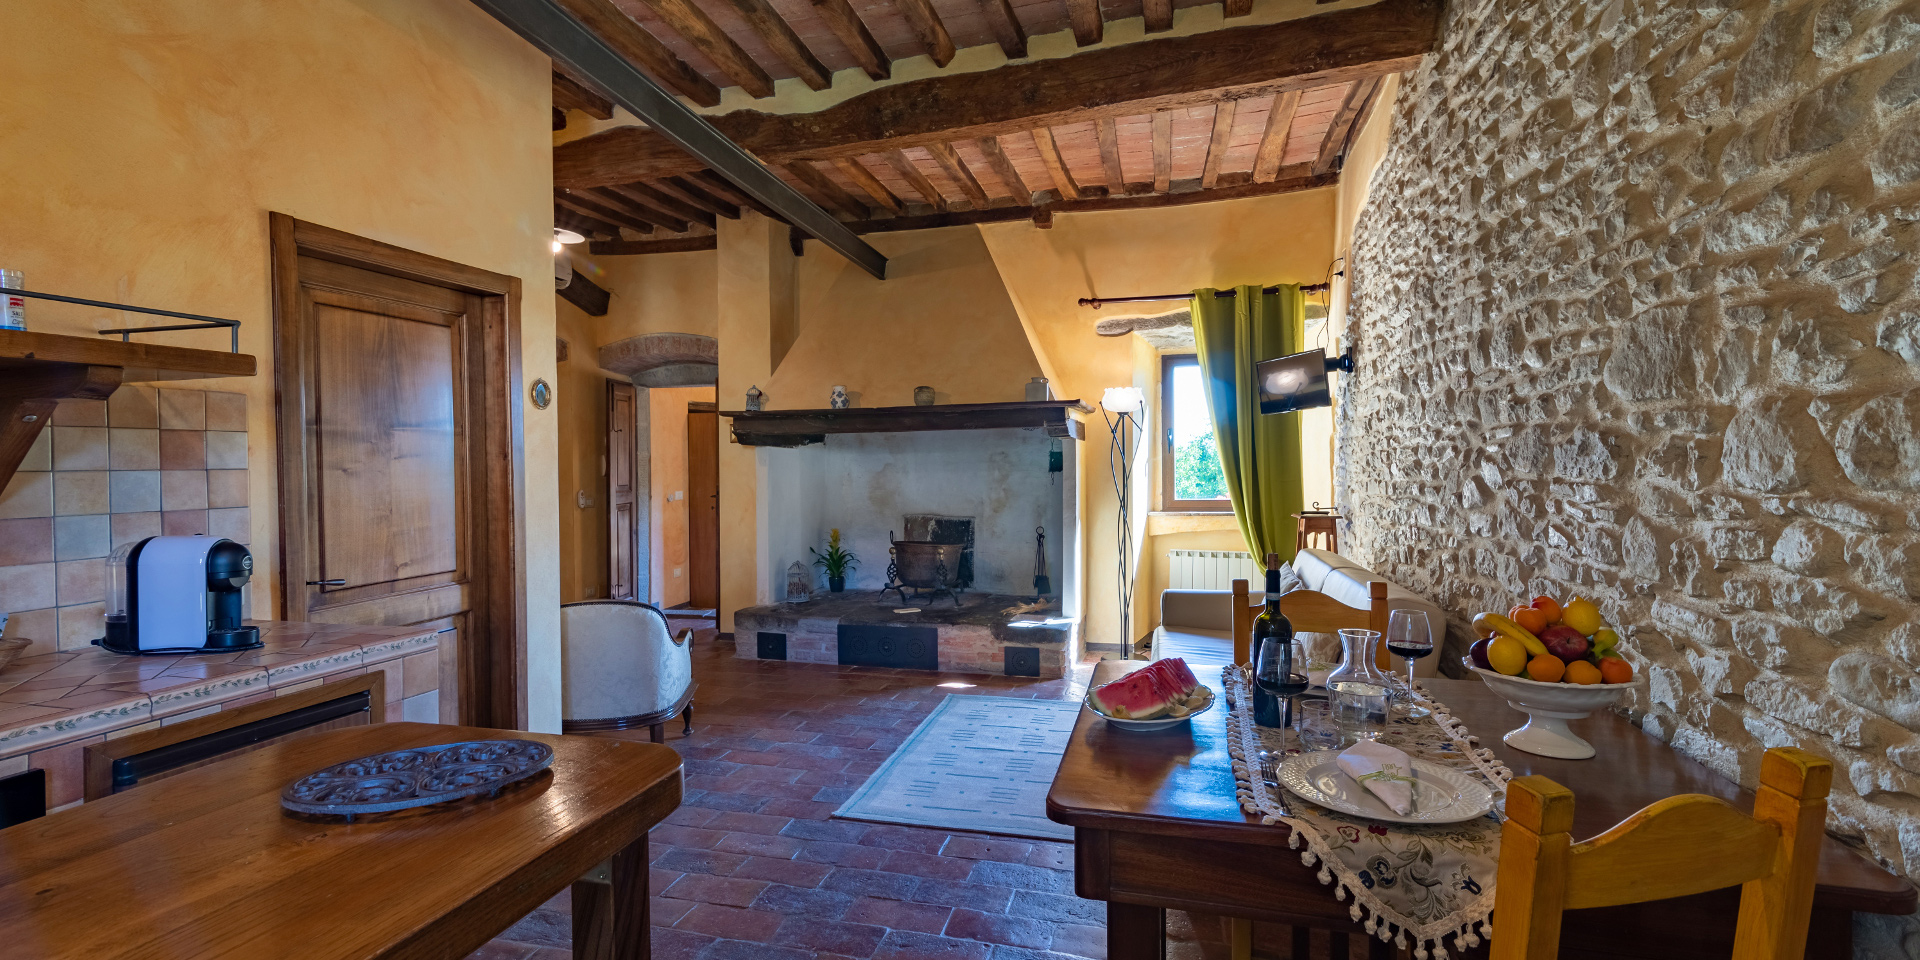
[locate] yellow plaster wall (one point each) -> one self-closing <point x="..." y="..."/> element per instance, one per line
<point x="146" y="143"/>
<point x="580" y="407"/>
<point x="672" y="579"/>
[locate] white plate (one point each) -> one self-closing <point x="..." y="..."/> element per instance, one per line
<point x="1441" y="794"/>
<point x="1157" y="723"/>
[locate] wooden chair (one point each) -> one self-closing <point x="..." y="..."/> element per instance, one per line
<point x="1678" y="846"/>
<point x="1311" y="611"/>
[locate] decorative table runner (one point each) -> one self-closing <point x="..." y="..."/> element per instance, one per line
<point x="1411" y="884"/>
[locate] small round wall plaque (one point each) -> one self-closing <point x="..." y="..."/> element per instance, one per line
<point x="542" y="394"/>
<point x="399" y="779"/>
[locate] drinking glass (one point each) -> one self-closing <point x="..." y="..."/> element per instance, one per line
<point x="1277" y="672"/>
<point x="1410" y="636"/>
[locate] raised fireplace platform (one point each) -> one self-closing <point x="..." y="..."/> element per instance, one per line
<point x="987" y="633"/>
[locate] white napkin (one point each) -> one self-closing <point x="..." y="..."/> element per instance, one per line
<point x="1384" y="770"/>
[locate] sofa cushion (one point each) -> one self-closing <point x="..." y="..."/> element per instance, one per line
<point x="1200" y="609"/>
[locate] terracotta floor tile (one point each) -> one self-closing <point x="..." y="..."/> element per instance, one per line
<point x="916" y="839"/>
<point x="987" y="848"/>
<point x="900" y="915"/>
<point x="793" y="873"/>
<point x="736" y="923"/>
<point x="745" y="950"/>
<point x="708" y="889"/>
<point x="870" y="883"/>
<point x="999" y="928"/>
<point x="908" y="945"/>
<point x="684" y="860"/>
<point x="803" y="901"/>
<point x="846" y="939"/>
<point x="924" y="865"/>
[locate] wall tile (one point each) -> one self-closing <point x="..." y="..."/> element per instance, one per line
<point x="40" y="455"/>
<point x="226" y="411"/>
<point x="65" y="769"/>
<point x="80" y="413"/>
<point x="40" y="626"/>
<point x="421" y="673"/>
<point x="27" y="586"/>
<point x="81" y="581"/>
<point x="77" y="492"/>
<point x="134" y="491"/>
<point x="232" y="523"/>
<point x="226" y="450"/>
<point x="28" y="495"/>
<point x="225" y="488"/>
<point x="81" y="625"/>
<point x="77" y="538"/>
<point x="424" y="708"/>
<point x="79" y="448"/>
<point x="132" y="449"/>
<point x="183" y="410"/>
<point x="183" y="450"/>
<point x="26" y="541"/>
<point x="183" y="489"/>
<point x="183" y="523"/>
<point x="128" y="527"/>
<point x="134" y="405"/>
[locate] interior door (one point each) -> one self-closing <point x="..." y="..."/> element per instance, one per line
<point x="703" y="505"/>
<point x="623" y="535"/>
<point x="383" y="379"/>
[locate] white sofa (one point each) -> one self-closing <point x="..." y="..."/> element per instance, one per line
<point x="1198" y="624"/>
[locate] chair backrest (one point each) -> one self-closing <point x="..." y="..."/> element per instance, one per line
<point x="1673" y="848"/>
<point x="618" y="658"/>
<point x="1311" y="611"/>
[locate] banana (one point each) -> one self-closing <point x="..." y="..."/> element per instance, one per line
<point x="1507" y="628"/>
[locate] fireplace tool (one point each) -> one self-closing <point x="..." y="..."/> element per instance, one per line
<point x="931" y="569"/>
<point x="1042" y="584"/>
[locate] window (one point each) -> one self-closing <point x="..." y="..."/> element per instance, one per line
<point x="1190" y="474"/>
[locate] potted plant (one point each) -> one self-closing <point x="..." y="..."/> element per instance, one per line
<point x="836" y="561"/>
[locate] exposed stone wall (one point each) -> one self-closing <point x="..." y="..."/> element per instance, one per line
<point x="1633" y="313"/>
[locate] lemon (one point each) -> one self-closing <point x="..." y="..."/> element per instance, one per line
<point x="1582" y="615"/>
<point x="1506" y="655"/>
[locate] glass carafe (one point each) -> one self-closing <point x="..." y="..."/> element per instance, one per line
<point x="1361" y="692"/>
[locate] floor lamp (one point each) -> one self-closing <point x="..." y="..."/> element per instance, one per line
<point x="1121" y="406"/>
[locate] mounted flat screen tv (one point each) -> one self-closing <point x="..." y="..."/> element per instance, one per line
<point x="1298" y="381"/>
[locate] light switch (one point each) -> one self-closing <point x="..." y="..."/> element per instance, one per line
<point x="676" y="571"/>
<point x="584" y="500"/>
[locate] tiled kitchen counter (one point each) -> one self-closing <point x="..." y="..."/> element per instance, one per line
<point x="54" y="704"/>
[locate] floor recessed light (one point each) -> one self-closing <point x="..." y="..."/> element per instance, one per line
<point x="956" y="685"/>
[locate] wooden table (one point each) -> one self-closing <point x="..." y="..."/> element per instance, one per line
<point x="1157" y="825"/>
<point x="206" y="865"/>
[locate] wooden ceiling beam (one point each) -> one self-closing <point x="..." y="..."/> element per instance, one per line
<point x="1108" y="133"/>
<point x="602" y="213"/>
<point x="1004" y="169"/>
<point x="928" y="28"/>
<point x="571" y="94"/>
<point x="957" y="171"/>
<point x="687" y="191"/>
<point x="649" y="198"/>
<point x="582" y="224"/>
<point x="1084" y="16"/>
<point x="1006" y="27"/>
<point x="778" y="35"/>
<point x="1236" y="8"/>
<point x="693" y="23"/>
<point x="865" y="180"/>
<point x="854" y="36"/>
<point x="917" y="180"/>
<point x="1056" y="167"/>
<point x="826" y="190"/>
<point x="1217" y="145"/>
<point x="639" y="48"/>
<point x="1158" y="14"/>
<point x="1137" y="78"/>
<point x="719" y="186"/>
<point x="624" y="248"/>
<point x="1273" y="142"/>
<point x="1334" y="148"/>
<point x="1162" y="151"/>
<point x="611" y="198"/>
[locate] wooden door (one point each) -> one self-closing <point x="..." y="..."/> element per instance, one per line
<point x="703" y="505"/>
<point x="623" y="535"/>
<point x="391" y="432"/>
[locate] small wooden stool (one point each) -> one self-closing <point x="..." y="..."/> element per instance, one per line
<point x="1322" y="524"/>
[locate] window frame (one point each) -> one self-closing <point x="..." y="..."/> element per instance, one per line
<point x="1168" y="502"/>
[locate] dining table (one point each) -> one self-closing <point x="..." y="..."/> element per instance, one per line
<point x="1158" y="825"/>
<point x="207" y="865"/>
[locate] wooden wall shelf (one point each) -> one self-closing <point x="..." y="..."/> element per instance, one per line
<point x="794" y="428"/>
<point x="38" y="370"/>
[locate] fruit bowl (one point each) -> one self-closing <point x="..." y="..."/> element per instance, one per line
<point x="1548" y="707"/>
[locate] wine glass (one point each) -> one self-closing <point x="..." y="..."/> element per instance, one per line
<point x="1410" y="636"/>
<point x="1275" y="673"/>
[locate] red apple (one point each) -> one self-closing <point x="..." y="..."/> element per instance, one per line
<point x="1565" y="642"/>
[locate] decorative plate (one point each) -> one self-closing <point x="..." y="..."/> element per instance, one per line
<point x="1157" y="723"/>
<point x="1440" y="794"/>
<point x="416" y="777"/>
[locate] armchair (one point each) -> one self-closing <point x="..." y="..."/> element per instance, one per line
<point x="621" y="668"/>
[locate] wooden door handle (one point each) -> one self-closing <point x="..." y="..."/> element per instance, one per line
<point x="327" y="583"/>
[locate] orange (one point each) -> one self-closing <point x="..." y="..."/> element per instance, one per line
<point x="1530" y="619"/>
<point x="1615" y="670"/>
<point x="1548" y="606"/>
<point x="1582" y="672"/>
<point x="1546" y="668"/>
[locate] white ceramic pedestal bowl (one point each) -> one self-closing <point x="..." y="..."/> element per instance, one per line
<point x="1548" y="707"/>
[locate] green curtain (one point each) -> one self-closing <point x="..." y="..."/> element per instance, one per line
<point x="1260" y="454"/>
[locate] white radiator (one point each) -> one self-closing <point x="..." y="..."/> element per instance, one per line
<point x="1212" y="570"/>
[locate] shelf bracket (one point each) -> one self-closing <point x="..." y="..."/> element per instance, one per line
<point x="28" y="396"/>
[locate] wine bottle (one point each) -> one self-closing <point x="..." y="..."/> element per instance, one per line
<point x="1274" y="664"/>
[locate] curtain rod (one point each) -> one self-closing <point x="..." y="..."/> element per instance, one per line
<point x="1095" y="302"/>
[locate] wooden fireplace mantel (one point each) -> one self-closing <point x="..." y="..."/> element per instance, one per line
<point x="795" y="428"/>
<point x="38" y="370"/>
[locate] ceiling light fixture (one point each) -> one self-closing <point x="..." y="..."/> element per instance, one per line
<point x="564" y="237"/>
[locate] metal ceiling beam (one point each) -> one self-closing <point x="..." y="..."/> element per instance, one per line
<point x="548" y="26"/>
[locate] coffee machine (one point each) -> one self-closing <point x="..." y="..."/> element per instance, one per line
<point x="178" y="595"/>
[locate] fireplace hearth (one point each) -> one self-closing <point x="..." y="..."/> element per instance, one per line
<point x="990" y="633"/>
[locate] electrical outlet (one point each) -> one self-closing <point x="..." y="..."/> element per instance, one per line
<point x="677" y="495"/>
<point x="676" y="571"/>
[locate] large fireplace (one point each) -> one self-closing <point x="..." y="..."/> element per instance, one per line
<point x="976" y="477"/>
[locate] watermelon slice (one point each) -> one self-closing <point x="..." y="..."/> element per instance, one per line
<point x="1132" y="697"/>
<point x="1175" y="670"/>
